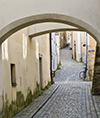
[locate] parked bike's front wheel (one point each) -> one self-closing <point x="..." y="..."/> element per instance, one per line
<point x="82" y="75"/>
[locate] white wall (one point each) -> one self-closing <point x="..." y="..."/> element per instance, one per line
<point x="82" y="13"/>
<point x="78" y="46"/>
<point x="57" y="40"/>
<point x="55" y="50"/>
<point x="41" y="28"/>
<point x="1" y="80"/>
<point x="24" y="52"/>
<point x="83" y="48"/>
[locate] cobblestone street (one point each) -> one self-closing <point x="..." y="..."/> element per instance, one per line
<point x="72" y="97"/>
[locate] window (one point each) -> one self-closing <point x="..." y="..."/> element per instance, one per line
<point x="13" y="75"/>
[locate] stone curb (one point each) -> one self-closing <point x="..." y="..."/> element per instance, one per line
<point x="33" y="114"/>
<point x="46" y="98"/>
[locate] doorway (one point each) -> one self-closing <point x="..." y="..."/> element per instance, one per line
<point x="74" y="51"/>
<point x="40" y="69"/>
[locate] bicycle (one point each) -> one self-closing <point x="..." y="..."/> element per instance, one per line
<point x="83" y="73"/>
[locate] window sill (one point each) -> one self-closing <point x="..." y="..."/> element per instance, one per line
<point x="14" y="84"/>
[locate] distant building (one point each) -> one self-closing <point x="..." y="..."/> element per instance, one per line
<point x="79" y="44"/>
<point x="55" y="50"/>
<point x="91" y="52"/>
<point x="63" y="39"/>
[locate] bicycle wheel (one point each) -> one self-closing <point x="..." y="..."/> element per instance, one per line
<point x="81" y="75"/>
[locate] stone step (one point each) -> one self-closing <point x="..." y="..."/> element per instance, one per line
<point x="97" y="55"/>
<point x="97" y="67"/>
<point x="96" y="75"/>
<point x="97" y="58"/>
<point x="97" y="72"/>
<point x="97" y="63"/>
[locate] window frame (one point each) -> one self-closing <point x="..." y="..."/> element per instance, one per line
<point x="13" y="74"/>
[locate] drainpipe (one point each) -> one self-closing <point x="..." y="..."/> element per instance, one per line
<point x="86" y="48"/>
<point x="51" y="59"/>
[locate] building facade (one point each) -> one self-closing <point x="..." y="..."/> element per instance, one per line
<point x="84" y="49"/>
<point x="63" y="38"/>
<point x="26" y="70"/>
<point x="55" y="50"/>
<point x="91" y="56"/>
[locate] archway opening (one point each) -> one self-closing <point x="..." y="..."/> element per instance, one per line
<point x="28" y="43"/>
<point x="24" y="22"/>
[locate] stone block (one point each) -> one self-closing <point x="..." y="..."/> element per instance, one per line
<point x="97" y="71"/>
<point x="97" y="67"/>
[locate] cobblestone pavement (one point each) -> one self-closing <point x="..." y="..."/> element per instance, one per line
<point x="70" y="68"/>
<point x="73" y="98"/>
<point x="69" y="97"/>
<point x="36" y="105"/>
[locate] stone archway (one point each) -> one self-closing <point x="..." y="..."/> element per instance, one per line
<point x="16" y="14"/>
<point x="24" y="22"/>
<point x="35" y="19"/>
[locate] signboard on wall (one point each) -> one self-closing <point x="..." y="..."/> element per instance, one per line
<point x="91" y="50"/>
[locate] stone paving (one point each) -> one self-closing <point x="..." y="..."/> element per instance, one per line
<point x="73" y="98"/>
<point x="69" y="97"/>
<point x="37" y="104"/>
<point x="69" y="101"/>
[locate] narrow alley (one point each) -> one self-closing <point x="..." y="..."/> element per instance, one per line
<point x="69" y="97"/>
<point x="44" y="45"/>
